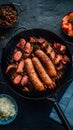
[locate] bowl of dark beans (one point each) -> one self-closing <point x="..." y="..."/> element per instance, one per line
<point x="8" y="15"/>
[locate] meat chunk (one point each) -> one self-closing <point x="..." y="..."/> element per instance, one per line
<point x="20" y="67"/>
<point x="24" y="80"/>
<point x="58" y="59"/>
<point x="60" y="47"/>
<point x="50" y="51"/>
<point x="32" y="40"/>
<point x="17" y="55"/>
<point x="40" y="40"/>
<point x="17" y="79"/>
<point x="21" y="43"/>
<point x="65" y="59"/>
<point x="28" y="48"/>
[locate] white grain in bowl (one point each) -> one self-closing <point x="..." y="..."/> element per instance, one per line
<point x="7" y="108"/>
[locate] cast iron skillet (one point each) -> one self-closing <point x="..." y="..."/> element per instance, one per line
<point x="50" y="36"/>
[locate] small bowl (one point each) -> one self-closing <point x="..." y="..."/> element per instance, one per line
<point x="10" y="119"/>
<point x="8" y="15"/>
<point x="67" y="24"/>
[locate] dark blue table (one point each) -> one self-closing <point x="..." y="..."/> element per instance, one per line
<point x="45" y="14"/>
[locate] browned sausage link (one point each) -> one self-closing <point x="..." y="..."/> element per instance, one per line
<point x="32" y="75"/>
<point x="41" y="72"/>
<point x="47" y="62"/>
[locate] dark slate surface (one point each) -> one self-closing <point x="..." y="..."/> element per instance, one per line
<point x="46" y="14"/>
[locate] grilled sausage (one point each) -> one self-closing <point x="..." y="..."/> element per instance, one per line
<point x="32" y="75"/>
<point x="42" y="73"/>
<point x="47" y="62"/>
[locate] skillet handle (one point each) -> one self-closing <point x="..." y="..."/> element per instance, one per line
<point x="69" y="43"/>
<point x="62" y="116"/>
<point x="20" y="28"/>
<point x="60" y="113"/>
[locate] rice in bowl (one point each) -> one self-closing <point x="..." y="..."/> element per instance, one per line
<point x="7" y="108"/>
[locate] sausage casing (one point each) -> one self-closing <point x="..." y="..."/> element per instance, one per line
<point x="33" y="75"/>
<point x="41" y="72"/>
<point x="47" y="62"/>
